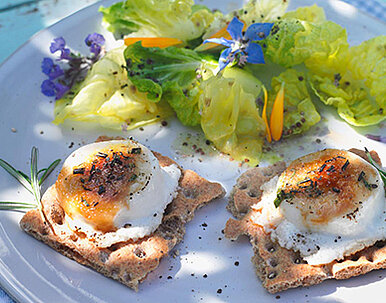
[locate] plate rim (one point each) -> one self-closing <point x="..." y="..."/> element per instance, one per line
<point x="9" y="284"/>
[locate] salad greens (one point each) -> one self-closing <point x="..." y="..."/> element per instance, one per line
<point x="162" y="18"/>
<point x="262" y="11"/>
<point x="239" y="130"/>
<point x="312" y="13"/>
<point x="220" y="89"/>
<point x="107" y="97"/>
<point x="299" y="111"/>
<point x="357" y="87"/>
<point x="171" y="75"/>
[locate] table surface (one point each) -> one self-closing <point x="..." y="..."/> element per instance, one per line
<point x="21" y="19"/>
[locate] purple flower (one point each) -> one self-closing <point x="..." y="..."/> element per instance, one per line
<point x="376" y="138"/>
<point x="60" y="81"/>
<point x="94" y="38"/>
<point x="95" y="42"/>
<point x="65" y="54"/>
<point x="241" y="46"/>
<point x="59" y="45"/>
<point x="52" y="70"/>
<point x="48" y="88"/>
<point x="47" y="65"/>
<point x="60" y="90"/>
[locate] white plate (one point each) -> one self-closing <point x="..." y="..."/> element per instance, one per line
<point x="32" y="272"/>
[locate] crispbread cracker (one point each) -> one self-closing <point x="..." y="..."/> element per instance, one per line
<point x="280" y="268"/>
<point x="128" y="262"/>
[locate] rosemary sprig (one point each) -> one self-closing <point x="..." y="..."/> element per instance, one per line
<point x="32" y="183"/>
<point x="16" y="205"/>
<point x="379" y="169"/>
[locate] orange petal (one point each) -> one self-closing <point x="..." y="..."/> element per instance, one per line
<point x="277" y="115"/>
<point x="222" y="33"/>
<point x="264" y="116"/>
<point x="153" y="42"/>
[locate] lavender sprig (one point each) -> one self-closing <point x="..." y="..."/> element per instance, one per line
<point x="60" y="81"/>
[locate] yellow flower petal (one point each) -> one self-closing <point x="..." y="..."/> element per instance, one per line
<point x="264" y="116"/>
<point x="153" y="42"/>
<point x="277" y="115"/>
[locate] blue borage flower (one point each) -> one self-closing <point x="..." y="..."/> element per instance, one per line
<point x="242" y="47"/>
<point x="95" y="41"/>
<point x="60" y="81"/>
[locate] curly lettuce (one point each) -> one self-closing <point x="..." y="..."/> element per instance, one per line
<point x="106" y="97"/>
<point x="279" y="46"/>
<point x="172" y="75"/>
<point x="230" y="117"/>
<point x="318" y="45"/>
<point x="312" y="13"/>
<point x="351" y="98"/>
<point x="369" y="59"/>
<point x="356" y="86"/>
<point x="149" y="68"/>
<point x="299" y="111"/>
<point x="255" y="11"/>
<point x="324" y="46"/>
<point x="163" y="18"/>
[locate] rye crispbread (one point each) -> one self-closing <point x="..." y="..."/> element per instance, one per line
<point x="280" y="268"/>
<point x="128" y="262"/>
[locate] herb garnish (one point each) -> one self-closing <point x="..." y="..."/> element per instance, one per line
<point x="378" y="168"/>
<point x="322" y="168"/>
<point x="133" y="177"/>
<point x="362" y="178"/>
<point x="345" y="165"/>
<point x="136" y="150"/>
<point x="281" y="196"/>
<point x="78" y="171"/>
<point x="32" y="183"/>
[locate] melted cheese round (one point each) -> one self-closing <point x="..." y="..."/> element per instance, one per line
<point x="333" y="205"/>
<point x="331" y="191"/>
<point x="115" y="190"/>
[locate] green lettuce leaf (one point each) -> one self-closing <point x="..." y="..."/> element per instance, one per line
<point x="314" y="14"/>
<point x="279" y="46"/>
<point x="299" y="111"/>
<point x="318" y="45"/>
<point x="165" y="18"/>
<point x="149" y="68"/>
<point x="369" y="59"/>
<point x="230" y="117"/>
<point x="351" y="97"/>
<point x="324" y="45"/>
<point x="378" y="83"/>
<point x="183" y="102"/>
<point x="356" y="86"/>
<point x="106" y="97"/>
<point x="171" y="75"/>
<point x="262" y="11"/>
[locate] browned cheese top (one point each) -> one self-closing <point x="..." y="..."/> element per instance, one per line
<point x="327" y="184"/>
<point x="97" y="189"/>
